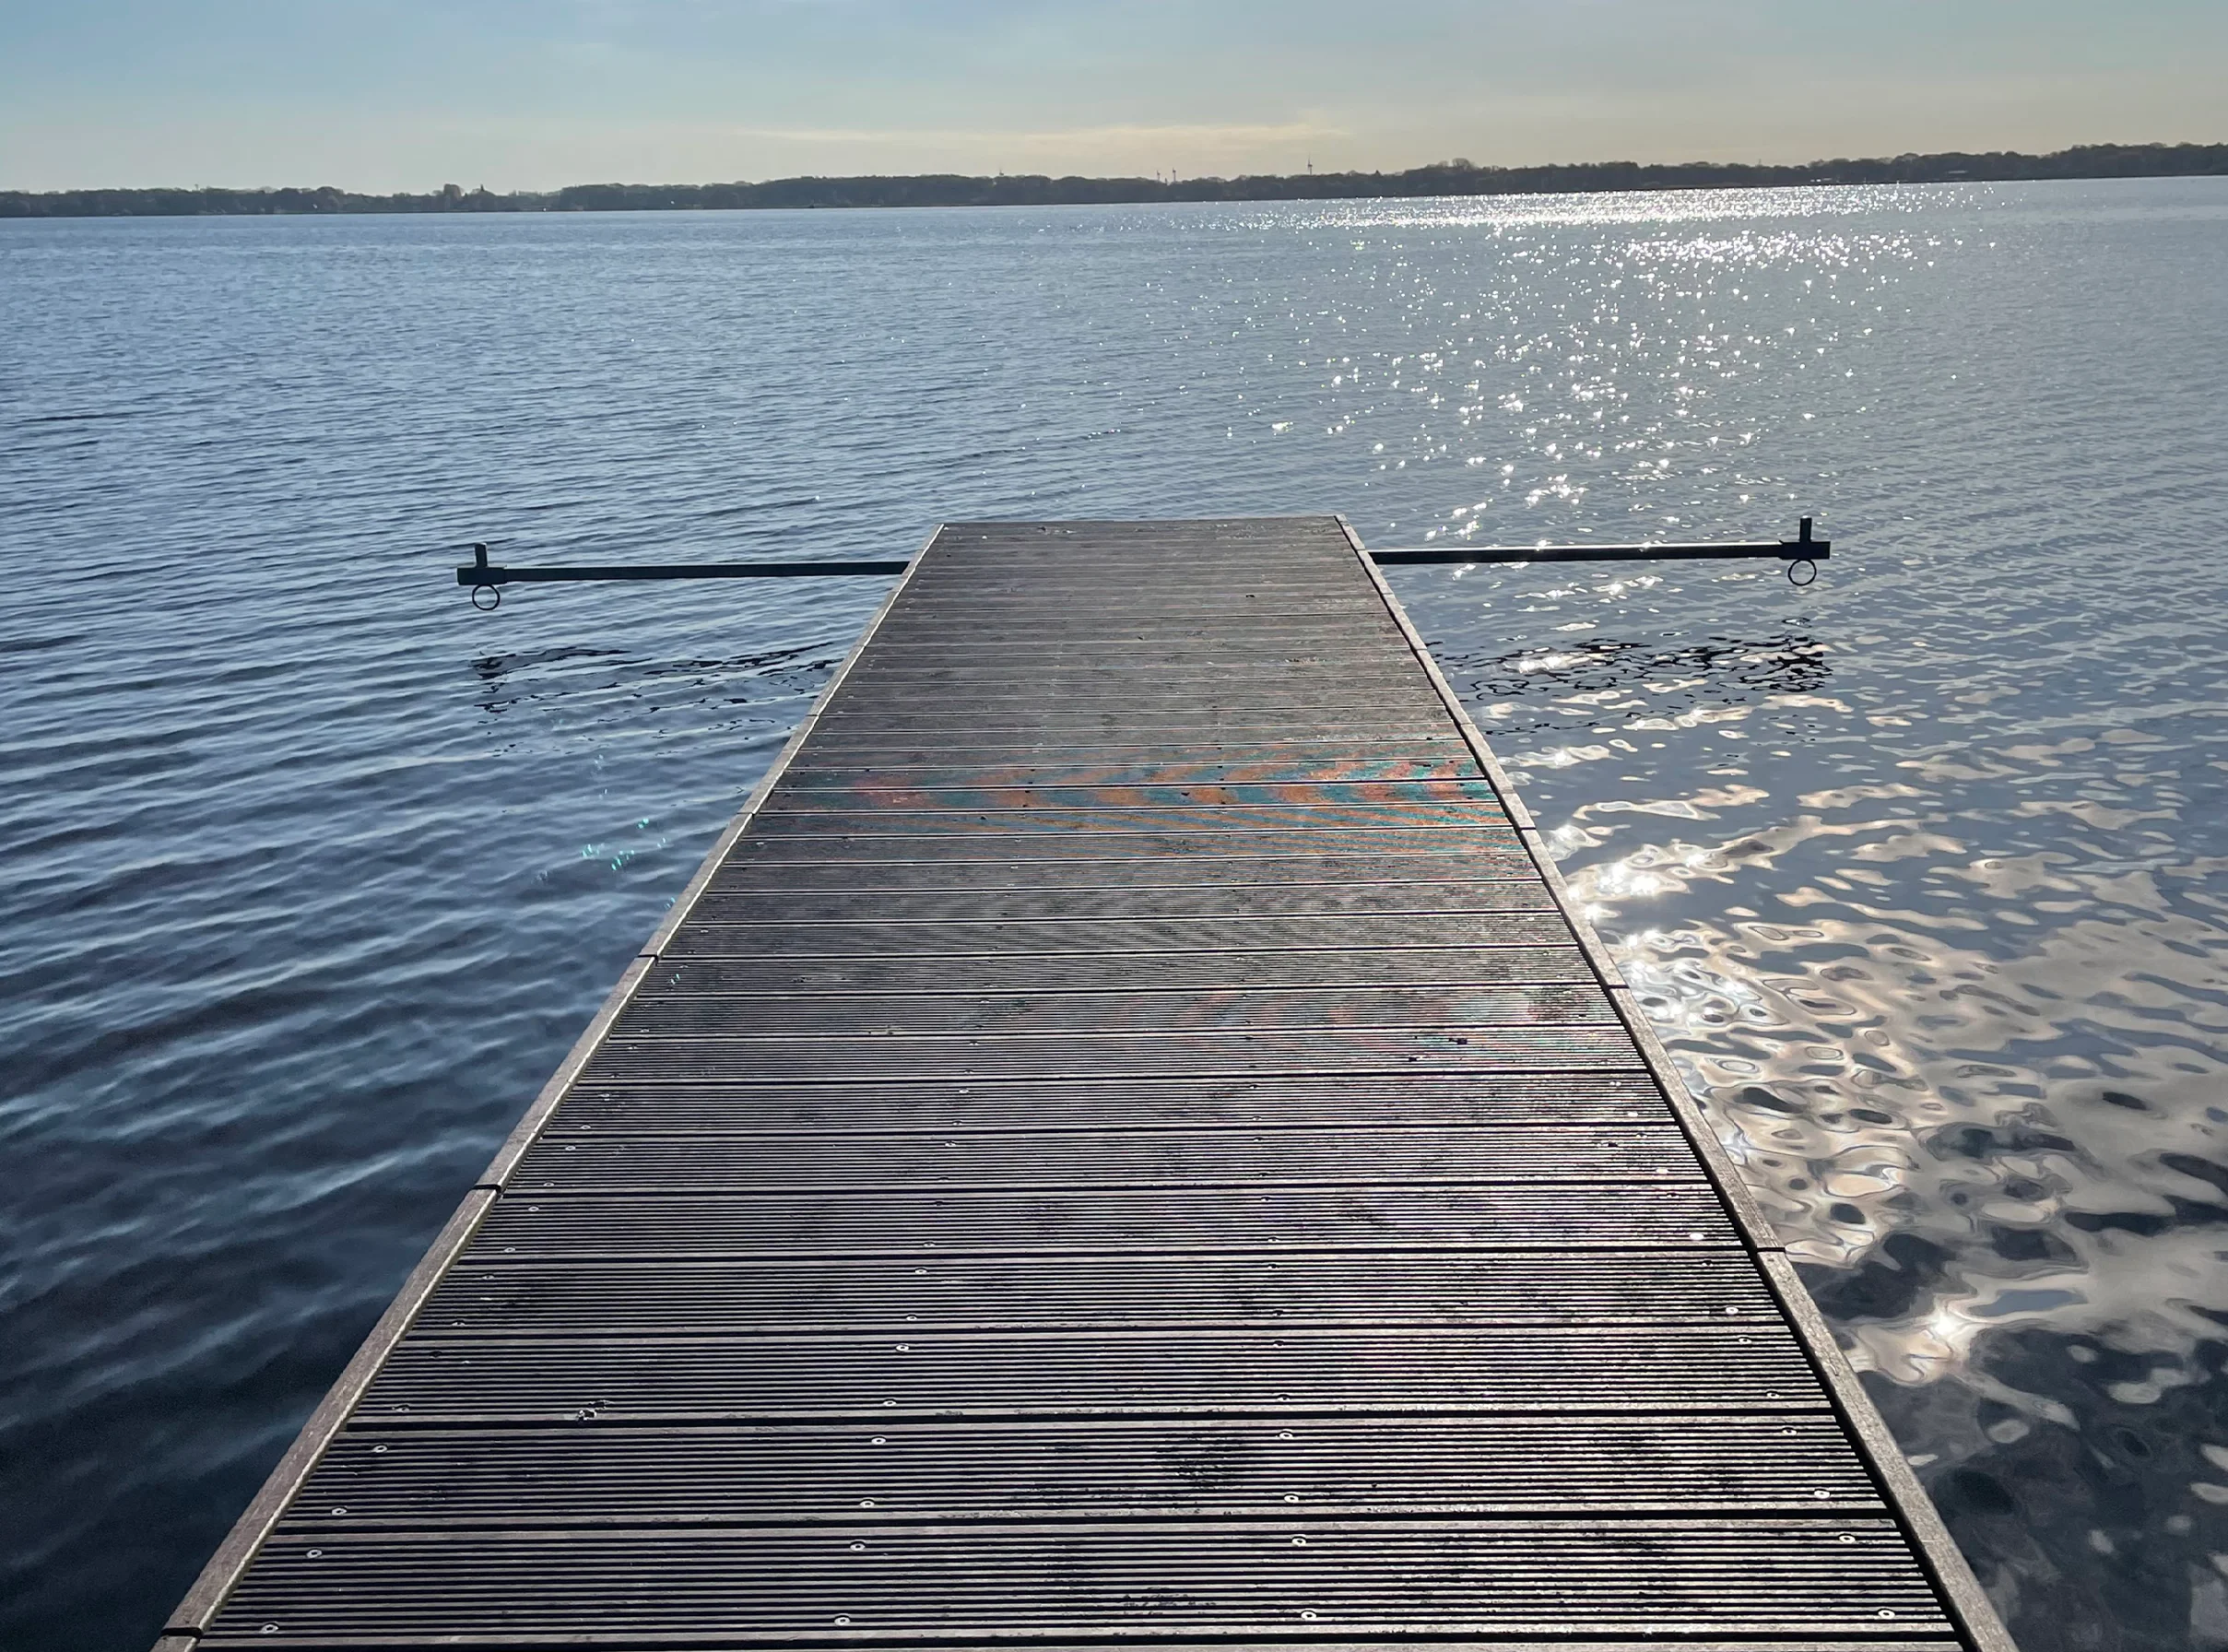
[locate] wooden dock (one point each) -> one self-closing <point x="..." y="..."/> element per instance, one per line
<point x="1126" y="1142"/>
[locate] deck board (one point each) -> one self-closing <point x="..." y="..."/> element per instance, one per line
<point x="1127" y="1144"/>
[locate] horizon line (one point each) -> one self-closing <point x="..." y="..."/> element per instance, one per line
<point x="1458" y="176"/>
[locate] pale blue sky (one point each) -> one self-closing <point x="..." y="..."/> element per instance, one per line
<point x="385" y="94"/>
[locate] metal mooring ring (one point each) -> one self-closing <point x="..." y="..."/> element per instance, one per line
<point x="1802" y="562"/>
<point x="495" y="598"/>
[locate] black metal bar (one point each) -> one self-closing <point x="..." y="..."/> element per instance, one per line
<point x="680" y="570"/>
<point x="488" y="575"/>
<point x="1803" y="548"/>
<point x="1588" y="553"/>
<point x="483" y="574"/>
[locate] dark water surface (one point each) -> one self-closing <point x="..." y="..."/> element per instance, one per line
<point x="311" y="873"/>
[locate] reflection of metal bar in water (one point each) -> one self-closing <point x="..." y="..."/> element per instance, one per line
<point x="1803" y="549"/>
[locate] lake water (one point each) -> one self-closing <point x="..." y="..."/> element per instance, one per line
<point x="312" y="873"/>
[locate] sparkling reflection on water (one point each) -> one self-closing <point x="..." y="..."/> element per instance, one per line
<point x="311" y="874"/>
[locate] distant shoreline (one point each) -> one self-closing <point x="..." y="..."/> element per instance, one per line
<point x="944" y="189"/>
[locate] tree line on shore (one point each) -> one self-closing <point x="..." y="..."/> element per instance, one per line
<point x="1459" y="177"/>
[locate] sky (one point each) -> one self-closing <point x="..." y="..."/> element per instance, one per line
<point x="382" y="95"/>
